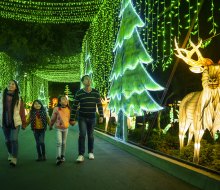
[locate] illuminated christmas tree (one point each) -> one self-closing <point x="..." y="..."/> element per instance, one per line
<point x="130" y="81"/>
<point x="42" y="97"/>
<point x="68" y="93"/>
<point x="88" y="69"/>
<point x="88" y="66"/>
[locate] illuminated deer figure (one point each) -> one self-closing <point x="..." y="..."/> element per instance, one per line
<point x="199" y="110"/>
<point x="106" y="111"/>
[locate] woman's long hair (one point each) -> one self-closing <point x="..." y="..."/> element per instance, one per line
<point x="15" y="98"/>
<point x="42" y="112"/>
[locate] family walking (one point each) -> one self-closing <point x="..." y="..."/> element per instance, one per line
<point x="13" y="118"/>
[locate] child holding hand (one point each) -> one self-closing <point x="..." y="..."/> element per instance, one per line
<point x="39" y="119"/>
<point x="60" y="117"/>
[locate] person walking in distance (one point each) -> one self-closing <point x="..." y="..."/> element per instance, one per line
<point x="86" y="100"/>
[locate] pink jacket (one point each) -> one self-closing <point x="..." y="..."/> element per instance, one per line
<point x="60" y="117"/>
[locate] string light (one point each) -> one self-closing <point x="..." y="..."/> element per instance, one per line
<point x="212" y="20"/>
<point x="8" y="68"/>
<point x="43" y="12"/>
<point x="58" y="68"/>
<point x="99" y="41"/>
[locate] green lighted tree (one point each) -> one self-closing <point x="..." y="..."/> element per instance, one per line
<point x="68" y="93"/>
<point x="42" y="97"/>
<point x="130" y="81"/>
<point x="88" y="65"/>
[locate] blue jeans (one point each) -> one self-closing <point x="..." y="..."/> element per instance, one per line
<point x="39" y="138"/>
<point x="86" y="125"/>
<point x="11" y="140"/>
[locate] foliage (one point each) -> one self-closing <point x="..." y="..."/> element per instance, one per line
<point x="111" y="125"/>
<point x="169" y="144"/>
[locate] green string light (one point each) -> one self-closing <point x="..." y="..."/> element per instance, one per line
<point x="163" y="28"/>
<point x="99" y="39"/>
<point x="43" y="12"/>
<point x="57" y="69"/>
<point x="8" y="69"/>
<point x="212" y="20"/>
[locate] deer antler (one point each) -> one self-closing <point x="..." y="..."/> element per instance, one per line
<point x="105" y="100"/>
<point x="196" y="66"/>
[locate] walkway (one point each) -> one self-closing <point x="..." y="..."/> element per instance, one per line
<point x="112" y="169"/>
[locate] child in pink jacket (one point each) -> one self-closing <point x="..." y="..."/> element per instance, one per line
<point x="60" y="117"/>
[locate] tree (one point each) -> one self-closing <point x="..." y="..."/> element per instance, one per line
<point x="42" y="97"/>
<point x="88" y="66"/>
<point x="130" y="82"/>
<point x="68" y="93"/>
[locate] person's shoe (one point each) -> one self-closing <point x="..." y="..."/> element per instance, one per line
<point x="62" y="158"/>
<point x="13" y="162"/>
<point x="58" y="161"/>
<point x="91" y="156"/>
<point x="10" y="157"/>
<point x="44" y="158"/>
<point x="39" y="159"/>
<point x="80" y="158"/>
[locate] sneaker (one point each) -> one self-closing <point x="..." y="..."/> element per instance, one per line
<point x="58" y="161"/>
<point x="91" y="156"/>
<point x="62" y="158"/>
<point x="80" y="158"/>
<point x="13" y="162"/>
<point x="10" y="157"/>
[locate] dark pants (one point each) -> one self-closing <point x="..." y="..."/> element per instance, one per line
<point x="39" y="138"/>
<point x="86" y="125"/>
<point x="11" y="140"/>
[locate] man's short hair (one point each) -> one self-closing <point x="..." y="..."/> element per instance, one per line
<point x="82" y="79"/>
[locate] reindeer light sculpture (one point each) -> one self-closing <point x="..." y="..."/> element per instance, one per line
<point x="199" y="111"/>
<point x="106" y="111"/>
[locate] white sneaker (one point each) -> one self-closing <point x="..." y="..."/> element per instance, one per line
<point x="91" y="156"/>
<point x="58" y="161"/>
<point x="10" y="157"/>
<point x="80" y="158"/>
<point x="13" y="162"/>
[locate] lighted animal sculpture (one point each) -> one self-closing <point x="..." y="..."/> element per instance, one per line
<point x="199" y="110"/>
<point x="106" y="111"/>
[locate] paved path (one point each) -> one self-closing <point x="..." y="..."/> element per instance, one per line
<point x="112" y="169"/>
